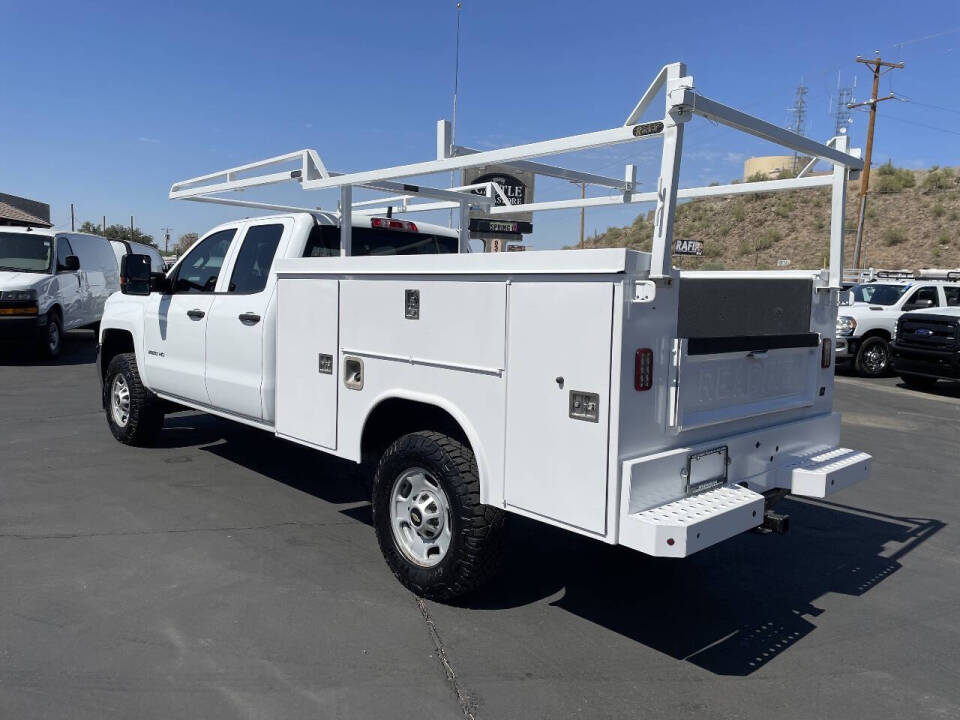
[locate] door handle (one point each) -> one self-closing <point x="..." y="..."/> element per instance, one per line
<point x="249" y="318"/>
<point x="195" y="314"/>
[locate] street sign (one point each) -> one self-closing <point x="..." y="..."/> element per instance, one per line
<point x="517" y="185"/>
<point x="507" y="227"/>
<point x="688" y="247"/>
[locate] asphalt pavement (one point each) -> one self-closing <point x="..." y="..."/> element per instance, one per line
<point x="228" y="574"/>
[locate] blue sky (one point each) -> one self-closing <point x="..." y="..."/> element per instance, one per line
<point x="105" y="105"/>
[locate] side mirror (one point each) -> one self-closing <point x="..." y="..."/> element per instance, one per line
<point x="135" y="274"/>
<point x="845" y="297"/>
<point x="71" y="263"/>
<point x="922" y="304"/>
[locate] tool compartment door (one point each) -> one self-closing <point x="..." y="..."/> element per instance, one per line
<point x="559" y="345"/>
<point x="307" y="360"/>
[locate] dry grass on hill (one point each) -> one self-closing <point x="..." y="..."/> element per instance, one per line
<point x="913" y="221"/>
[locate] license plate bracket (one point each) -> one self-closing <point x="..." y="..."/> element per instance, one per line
<point x="705" y="470"/>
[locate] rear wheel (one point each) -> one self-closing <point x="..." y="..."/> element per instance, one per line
<point x="134" y="414"/>
<point x="918" y="382"/>
<point x="434" y="533"/>
<point x="873" y="358"/>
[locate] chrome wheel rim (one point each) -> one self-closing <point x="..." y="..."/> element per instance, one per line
<point x="53" y="336"/>
<point x="120" y="401"/>
<point x="875" y="358"/>
<point x="420" y="517"/>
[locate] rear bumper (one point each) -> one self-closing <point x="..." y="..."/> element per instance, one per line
<point x="933" y="363"/>
<point x="26" y="327"/>
<point x="801" y="457"/>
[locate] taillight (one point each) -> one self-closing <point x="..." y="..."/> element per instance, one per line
<point x="643" y="369"/>
<point x="826" y="353"/>
<point x="391" y="224"/>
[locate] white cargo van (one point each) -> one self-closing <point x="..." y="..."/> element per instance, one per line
<point x="128" y="247"/>
<point x="52" y="281"/>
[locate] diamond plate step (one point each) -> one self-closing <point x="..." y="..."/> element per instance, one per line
<point x="683" y="527"/>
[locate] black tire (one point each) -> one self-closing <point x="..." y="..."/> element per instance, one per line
<point x="50" y="339"/>
<point x="144" y="416"/>
<point x="476" y="530"/>
<point x="873" y="358"/>
<point x="918" y="382"/>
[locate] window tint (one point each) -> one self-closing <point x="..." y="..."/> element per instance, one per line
<point x="925" y="293"/>
<point x="953" y="295"/>
<point x="199" y="270"/>
<point x="253" y="263"/>
<point x="63" y="251"/>
<point x="324" y="241"/>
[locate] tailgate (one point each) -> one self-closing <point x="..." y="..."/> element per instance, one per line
<point x="717" y="387"/>
<point x="744" y="348"/>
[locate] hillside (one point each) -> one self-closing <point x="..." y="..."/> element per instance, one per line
<point x="913" y="221"/>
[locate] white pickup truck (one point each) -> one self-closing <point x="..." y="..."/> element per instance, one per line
<point x="867" y="324"/>
<point x="601" y="391"/>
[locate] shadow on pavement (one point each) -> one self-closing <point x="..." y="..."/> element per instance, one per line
<point x="943" y="388"/>
<point x="729" y="609"/>
<point x="79" y="348"/>
<point x="325" y="477"/>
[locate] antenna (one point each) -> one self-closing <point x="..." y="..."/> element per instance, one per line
<point x="456" y="88"/>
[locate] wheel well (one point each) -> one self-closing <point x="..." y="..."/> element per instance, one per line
<point x="56" y="309"/>
<point x="395" y="417"/>
<point x="114" y="343"/>
<point x="876" y="333"/>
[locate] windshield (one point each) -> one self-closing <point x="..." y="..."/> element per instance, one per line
<point x="25" y="252"/>
<point x="879" y="294"/>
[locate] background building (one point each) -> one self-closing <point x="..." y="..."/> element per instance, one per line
<point x="22" y="212"/>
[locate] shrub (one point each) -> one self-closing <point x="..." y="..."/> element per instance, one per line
<point x="894" y="236"/>
<point x="953" y="216"/>
<point x="938" y="179"/>
<point x="712" y="249"/>
<point x="768" y="238"/>
<point x="738" y="212"/>
<point x="758" y="177"/>
<point x="943" y="237"/>
<point x="938" y="210"/>
<point x="893" y="179"/>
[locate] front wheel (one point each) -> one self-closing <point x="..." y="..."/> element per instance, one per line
<point x="50" y="341"/>
<point x="918" y="382"/>
<point x="434" y="533"/>
<point x="133" y="412"/>
<point x="873" y="358"/>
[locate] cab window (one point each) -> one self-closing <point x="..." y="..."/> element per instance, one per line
<point x="923" y="294"/>
<point x="63" y="252"/>
<point x="199" y="270"/>
<point x="953" y="295"/>
<point x="252" y="267"/>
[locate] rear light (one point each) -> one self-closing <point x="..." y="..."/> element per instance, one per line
<point x="391" y="224"/>
<point x="643" y="369"/>
<point x="826" y="353"/>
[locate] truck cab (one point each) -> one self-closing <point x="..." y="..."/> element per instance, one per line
<point x="206" y="333"/>
<point x="866" y="326"/>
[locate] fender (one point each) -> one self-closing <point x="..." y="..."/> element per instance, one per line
<point x="120" y="313"/>
<point x="444" y="404"/>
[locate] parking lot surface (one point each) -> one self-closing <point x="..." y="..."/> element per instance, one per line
<point x="228" y="574"/>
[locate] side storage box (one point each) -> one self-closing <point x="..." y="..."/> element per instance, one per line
<point x="308" y="360"/>
<point x="558" y="401"/>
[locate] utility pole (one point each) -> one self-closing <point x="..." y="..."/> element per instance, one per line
<point x="583" y="194"/>
<point x="874" y="66"/>
<point x="71" y="217"/>
<point x="131" y="227"/>
<point x="103" y="225"/>
<point x="166" y="239"/>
